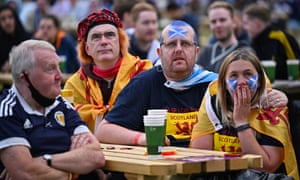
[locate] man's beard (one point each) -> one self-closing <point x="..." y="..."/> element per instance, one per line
<point x="224" y="38"/>
<point x="38" y="97"/>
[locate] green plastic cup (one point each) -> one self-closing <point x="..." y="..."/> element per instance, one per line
<point x="155" y="135"/>
<point x="62" y="63"/>
<point x="269" y="67"/>
<point x="293" y="69"/>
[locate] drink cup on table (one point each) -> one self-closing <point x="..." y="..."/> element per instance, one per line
<point x="293" y="69"/>
<point x="155" y="135"/>
<point x="163" y="112"/>
<point x="269" y="67"/>
<point x="157" y="112"/>
<point x="67" y="94"/>
<point x="62" y="63"/>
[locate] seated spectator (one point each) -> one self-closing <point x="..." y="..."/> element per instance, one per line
<point x="41" y="135"/>
<point x="49" y="30"/>
<point x="17" y="5"/>
<point x="27" y="7"/>
<point x="222" y="26"/>
<point x="143" y="41"/>
<point x="62" y="8"/>
<point x="231" y="117"/>
<point x="269" y="42"/>
<point x="12" y="33"/>
<point x="33" y="17"/>
<point x="106" y="66"/>
<point x="123" y="9"/>
<point x="178" y="85"/>
<point x="176" y="11"/>
<point x="239" y="31"/>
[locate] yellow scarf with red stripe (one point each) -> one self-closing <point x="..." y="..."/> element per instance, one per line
<point x="88" y="99"/>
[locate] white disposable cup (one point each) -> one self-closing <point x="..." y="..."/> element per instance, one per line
<point x="154" y="123"/>
<point x="150" y="120"/>
<point x="155" y="117"/>
<point x="268" y="63"/>
<point x="157" y="111"/>
<point x="293" y="61"/>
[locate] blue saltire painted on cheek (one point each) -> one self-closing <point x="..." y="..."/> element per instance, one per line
<point x="232" y="84"/>
<point x="252" y="82"/>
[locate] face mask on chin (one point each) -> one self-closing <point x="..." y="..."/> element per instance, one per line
<point x="38" y="97"/>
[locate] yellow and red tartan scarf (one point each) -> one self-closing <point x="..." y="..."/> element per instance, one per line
<point x="88" y="98"/>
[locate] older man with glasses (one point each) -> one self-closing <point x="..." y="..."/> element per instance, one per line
<point x="106" y="65"/>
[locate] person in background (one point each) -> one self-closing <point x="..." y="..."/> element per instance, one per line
<point x="31" y="21"/>
<point x="49" y="30"/>
<point x="27" y="7"/>
<point x="178" y="85"/>
<point x="222" y="25"/>
<point x="123" y="9"/>
<point x="232" y="110"/>
<point x="17" y="5"/>
<point x="41" y="135"/>
<point x="239" y="30"/>
<point x="269" y="42"/>
<point x="62" y="8"/>
<point x="177" y="10"/>
<point x="12" y="33"/>
<point x="106" y="66"/>
<point x="143" y="41"/>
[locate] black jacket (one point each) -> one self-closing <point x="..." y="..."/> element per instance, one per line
<point x="272" y="44"/>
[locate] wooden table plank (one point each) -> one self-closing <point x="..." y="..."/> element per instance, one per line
<point x="138" y="166"/>
<point x="200" y="151"/>
<point x="254" y="161"/>
<point x="237" y="164"/>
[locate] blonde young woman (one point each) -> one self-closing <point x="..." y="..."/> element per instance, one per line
<point x="232" y="119"/>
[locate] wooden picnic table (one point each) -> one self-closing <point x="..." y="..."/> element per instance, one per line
<point x="133" y="161"/>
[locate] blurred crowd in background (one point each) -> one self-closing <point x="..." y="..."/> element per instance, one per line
<point x="70" y="12"/>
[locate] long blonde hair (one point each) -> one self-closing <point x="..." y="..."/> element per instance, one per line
<point x="224" y="101"/>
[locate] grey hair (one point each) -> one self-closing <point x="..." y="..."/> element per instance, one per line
<point x="22" y="59"/>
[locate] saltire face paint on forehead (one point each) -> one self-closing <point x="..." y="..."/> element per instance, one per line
<point x="176" y="29"/>
<point x="179" y="29"/>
